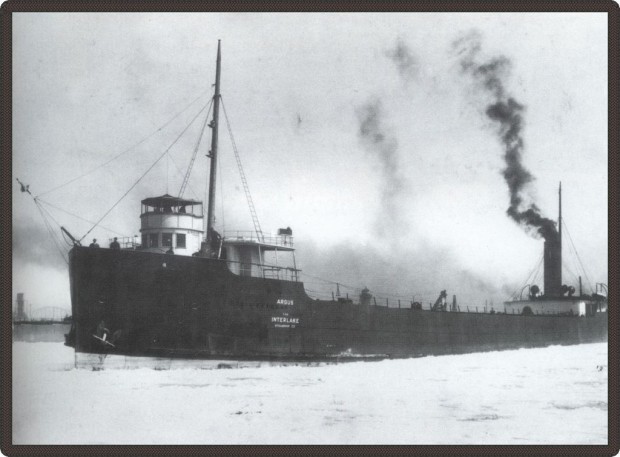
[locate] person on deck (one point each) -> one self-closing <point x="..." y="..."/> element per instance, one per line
<point x="115" y="244"/>
<point x="215" y="239"/>
<point x="93" y="244"/>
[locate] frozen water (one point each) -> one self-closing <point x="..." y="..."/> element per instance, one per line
<point x="555" y="395"/>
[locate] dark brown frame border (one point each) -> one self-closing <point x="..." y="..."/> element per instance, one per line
<point x="23" y="6"/>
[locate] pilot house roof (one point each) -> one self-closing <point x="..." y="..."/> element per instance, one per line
<point x="169" y="200"/>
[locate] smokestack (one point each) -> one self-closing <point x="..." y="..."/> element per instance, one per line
<point x="553" y="268"/>
<point x="553" y="258"/>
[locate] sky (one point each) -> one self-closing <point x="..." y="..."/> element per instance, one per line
<point x="371" y="135"/>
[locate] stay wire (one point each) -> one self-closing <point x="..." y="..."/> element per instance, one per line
<point x="146" y="172"/>
<point x="578" y="257"/>
<point x="569" y="270"/>
<point x="573" y="260"/>
<point x="188" y="172"/>
<point x="51" y="232"/>
<point x="54" y="232"/>
<point x="246" y="187"/>
<point x="79" y="217"/>
<point x="48" y="226"/>
<point x="126" y="150"/>
<point x="537" y="274"/>
<point x="49" y="214"/>
<point x="534" y="272"/>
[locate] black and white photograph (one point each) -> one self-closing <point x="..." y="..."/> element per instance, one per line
<point x="310" y="228"/>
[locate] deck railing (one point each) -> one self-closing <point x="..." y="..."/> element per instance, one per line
<point x="248" y="235"/>
<point x="126" y="242"/>
<point x="266" y="270"/>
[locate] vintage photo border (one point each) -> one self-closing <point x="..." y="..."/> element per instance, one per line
<point x="370" y="6"/>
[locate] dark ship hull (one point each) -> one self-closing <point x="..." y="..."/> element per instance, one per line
<point x="179" y="306"/>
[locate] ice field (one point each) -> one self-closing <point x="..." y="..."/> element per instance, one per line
<point x="555" y="395"/>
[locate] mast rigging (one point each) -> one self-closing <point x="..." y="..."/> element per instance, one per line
<point x="244" y="181"/>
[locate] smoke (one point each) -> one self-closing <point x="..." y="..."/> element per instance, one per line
<point x="383" y="146"/>
<point x="401" y="269"/>
<point x="507" y="113"/>
<point x="421" y="272"/>
<point x="406" y="62"/>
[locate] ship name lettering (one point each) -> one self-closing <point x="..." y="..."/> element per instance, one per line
<point x="283" y="301"/>
<point x="285" y="320"/>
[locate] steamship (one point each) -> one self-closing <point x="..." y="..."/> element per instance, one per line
<point x="186" y="291"/>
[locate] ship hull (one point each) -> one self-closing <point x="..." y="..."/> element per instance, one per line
<point x="149" y="304"/>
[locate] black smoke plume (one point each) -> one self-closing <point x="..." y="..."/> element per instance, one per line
<point x="508" y="114"/>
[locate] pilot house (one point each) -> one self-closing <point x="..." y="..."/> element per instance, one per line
<point x="169" y="222"/>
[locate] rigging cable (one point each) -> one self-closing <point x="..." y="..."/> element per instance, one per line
<point x="537" y="276"/>
<point x="533" y="272"/>
<point x="51" y="231"/>
<point x="79" y="217"/>
<point x="195" y="152"/>
<point x="48" y="226"/>
<point x="573" y="262"/>
<point x="52" y="234"/>
<point x="578" y="257"/>
<point x="575" y="258"/>
<point x="246" y="188"/>
<point x="126" y="150"/>
<point x="570" y="272"/>
<point x="145" y="173"/>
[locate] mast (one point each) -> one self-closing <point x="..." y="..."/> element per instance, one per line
<point x="213" y="152"/>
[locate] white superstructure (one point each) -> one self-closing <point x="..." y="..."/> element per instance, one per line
<point x="169" y="222"/>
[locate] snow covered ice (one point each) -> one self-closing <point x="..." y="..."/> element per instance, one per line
<point x="555" y="395"/>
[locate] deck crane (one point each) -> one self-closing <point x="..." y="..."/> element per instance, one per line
<point x="440" y="304"/>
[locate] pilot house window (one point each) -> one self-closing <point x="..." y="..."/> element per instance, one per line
<point x="152" y="240"/>
<point x="166" y="240"/>
<point x="180" y="240"/>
